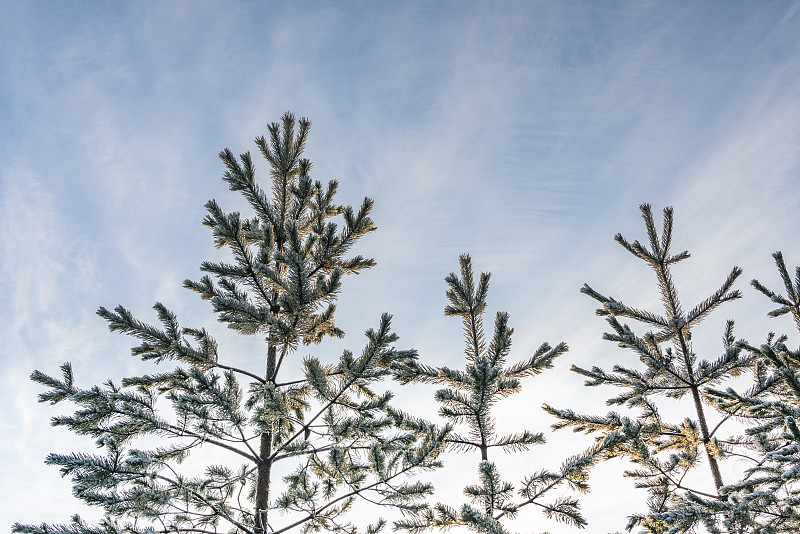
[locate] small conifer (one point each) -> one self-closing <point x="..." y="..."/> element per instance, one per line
<point x="670" y="455"/>
<point x="766" y="499"/>
<point x="467" y="401"/>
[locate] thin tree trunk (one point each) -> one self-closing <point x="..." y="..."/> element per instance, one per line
<point x="667" y="293"/>
<point x="712" y="460"/>
<point x="265" y="467"/>
<point x="701" y="416"/>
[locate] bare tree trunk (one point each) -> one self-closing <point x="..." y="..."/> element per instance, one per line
<point x="712" y="460"/>
<point x="701" y="416"/>
<point x="264" y="468"/>
<point x="669" y="297"/>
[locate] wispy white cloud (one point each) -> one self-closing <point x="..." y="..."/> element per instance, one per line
<point x="47" y="270"/>
<point x="41" y="260"/>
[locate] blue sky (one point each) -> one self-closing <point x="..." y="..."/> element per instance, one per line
<point x="525" y="133"/>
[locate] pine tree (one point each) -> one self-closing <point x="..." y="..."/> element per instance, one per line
<point x="467" y="401"/>
<point x="668" y="454"/>
<point x="767" y="497"/>
<point x="343" y="436"/>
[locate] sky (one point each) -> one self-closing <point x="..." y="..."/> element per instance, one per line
<point x="524" y="133"/>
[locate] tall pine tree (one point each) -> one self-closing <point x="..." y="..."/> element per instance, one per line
<point x="342" y="436"/>
<point x="677" y="460"/>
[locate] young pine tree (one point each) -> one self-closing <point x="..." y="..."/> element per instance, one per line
<point x="467" y="401"/>
<point x="767" y="498"/>
<point x="343" y="438"/>
<point x="678" y="461"/>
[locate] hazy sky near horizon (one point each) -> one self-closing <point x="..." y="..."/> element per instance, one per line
<point x="524" y="133"/>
